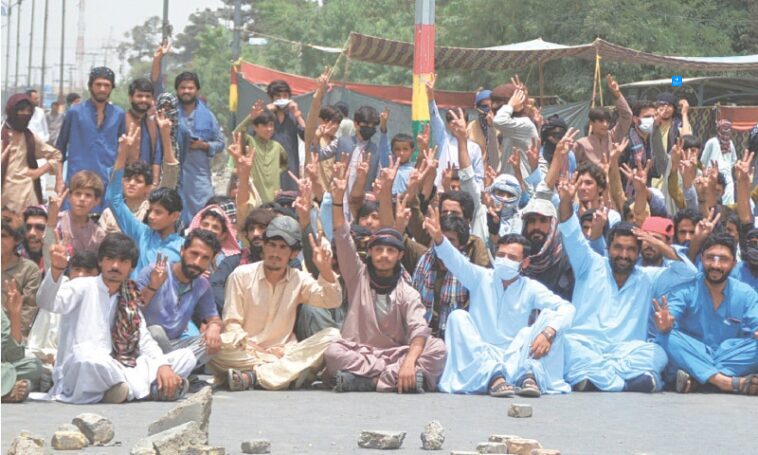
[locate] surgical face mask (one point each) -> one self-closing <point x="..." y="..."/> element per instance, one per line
<point x="506" y="269"/>
<point x="281" y="103"/>
<point x="646" y="124"/>
<point x="367" y="132"/>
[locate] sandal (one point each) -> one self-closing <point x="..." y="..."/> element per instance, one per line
<point x="420" y="382"/>
<point x="684" y="382"/>
<point x="157" y="394"/>
<point x="240" y="380"/>
<point x="749" y="387"/>
<point x="502" y="389"/>
<point x="528" y="388"/>
<point x="349" y="382"/>
<point x="15" y="396"/>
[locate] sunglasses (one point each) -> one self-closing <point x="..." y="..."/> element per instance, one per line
<point x="35" y="226"/>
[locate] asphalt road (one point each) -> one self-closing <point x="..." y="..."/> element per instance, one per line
<point x="321" y="422"/>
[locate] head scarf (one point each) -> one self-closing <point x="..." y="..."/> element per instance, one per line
<point x="507" y="205"/>
<point x="229" y="246"/>
<point x="125" y="328"/>
<point x="724" y="134"/>
<point x="388" y="237"/>
<point x="17" y="125"/>
<point x="549" y="255"/>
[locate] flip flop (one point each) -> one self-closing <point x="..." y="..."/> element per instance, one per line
<point x="684" y="382"/>
<point x="14" y="397"/>
<point x="529" y="388"/>
<point x="502" y="390"/>
<point x="240" y="380"/>
<point x="420" y="382"/>
<point x="157" y="394"/>
<point x="749" y="387"/>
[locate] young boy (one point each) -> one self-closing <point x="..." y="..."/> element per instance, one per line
<point x="137" y="182"/>
<point x="75" y="226"/>
<point x="270" y="157"/>
<point x="402" y="148"/>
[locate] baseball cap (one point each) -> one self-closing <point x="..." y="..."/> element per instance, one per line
<point x="659" y="225"/>
<point x="286" y="228"/>
<point x="540" y="206"/>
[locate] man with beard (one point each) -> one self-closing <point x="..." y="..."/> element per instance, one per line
<point x="685" y="221"/>
<point x="19" y="273"/>
<point x="35" y="220"/>
<point x="747" y="269"/>
<point x="174" y="292"/>
<point x="90" y="132"/>
<point x="21" y="174"/>
<point x="709" y="327"/>
<point x="105" y="352"/>
<point x="606" y="347"/>
<point x="38" y="122"/>
<point x="196" y="148"/>
<point x="668" y="128"/>
<point x="663" y="230"/>
<point x="258" y="346"/>
<point x="548" y="262"/>
<point x="141" y="95"/>
<point x="252" y="231"/>
<point x="387" y="345"/>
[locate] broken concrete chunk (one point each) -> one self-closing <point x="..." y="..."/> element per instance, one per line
<point x="433" y="436"/>
<point x="176" y="440"/>
<point x="463" y="452"/>
<point x="522" y="446"/>
<point x="256" y="446"/>
<point x="196" y="408"/>
<point x="69" y="440"/>
<point x="96" y="428"/>
<point x="27" y="444"/>
<point x="206" y="450"/>
<point x="545" y="452"/>
<point x="68" y="427"/>
<point x="143" y="451"/>
<point x="503" y="437"/>
<point x="491" y="447"/>
<point x="520" y="410"/>
<point x="387" y="440"/>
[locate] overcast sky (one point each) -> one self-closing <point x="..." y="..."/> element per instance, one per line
<point x="105" y="22"/>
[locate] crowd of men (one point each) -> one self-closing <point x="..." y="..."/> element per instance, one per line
<point x="506" y="254"/>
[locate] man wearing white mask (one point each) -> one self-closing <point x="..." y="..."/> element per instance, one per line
<point x="643" y="122"/>
<point x="491" y="348"/>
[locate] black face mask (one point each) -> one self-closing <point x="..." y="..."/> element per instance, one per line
<point x="367" y="132"/>
<point x="751" y="256"/>
<point x="19" y="122"/>
<point x="548" y="150"/>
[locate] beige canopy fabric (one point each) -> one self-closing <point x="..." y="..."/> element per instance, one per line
<point x="398" y="53"/>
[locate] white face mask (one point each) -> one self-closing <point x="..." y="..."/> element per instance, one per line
<point x="281" y="103"/>
<point x="506" y="269"/>
<point x="646" y="125"/>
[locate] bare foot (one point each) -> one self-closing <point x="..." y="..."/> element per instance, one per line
<point x="18" y="393"/>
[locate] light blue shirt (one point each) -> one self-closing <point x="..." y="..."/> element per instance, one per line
<point x="692" y="307"/>
<point x="148" y="241"/>
<point x="604" y="313"/>
<point x="742" y="272"/>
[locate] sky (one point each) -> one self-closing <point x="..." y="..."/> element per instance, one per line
<point x="105" y="23"/>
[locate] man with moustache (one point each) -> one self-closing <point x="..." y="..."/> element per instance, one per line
<point x="174" y="292"/>
<point x="35" y="221"/>
<point x="89" y="137"/>
<point x="141" y="93"/>
<point x="199" y="141"/>
<point x="105" y="352"/>
<point x="253" y="231"/>
<point x="709" y="326"/>
<point x="606" y="347"/>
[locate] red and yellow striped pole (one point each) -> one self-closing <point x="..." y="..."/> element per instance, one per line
<point x="423" y="64"/>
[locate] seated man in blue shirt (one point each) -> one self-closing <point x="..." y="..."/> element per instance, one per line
<point x="709" y="326"/>
<point x="159" y="234"/>
<point x="175" y="291"/>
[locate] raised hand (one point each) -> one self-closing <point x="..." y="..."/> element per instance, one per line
<point x="447" y="177"/>
<point x="384" y="117"/>
<point x="164" y="123"/>
<point x="566" y="143"/>
<point x="613" y="86"/>
<point x="684" y="106"/>
<point x="519" y="85"/>
<point x="430" y="87"/>
<point x="323" y="79"/>
<point x="432" y="224"/>
<point x="7" y="149"/>
<point x="458" y="124"/>
<point x="517" y="100"/>
<point x="744" y="170"/>
<point x="422" y="139"/>
<point x="257" y="108"/>
<point x="567" y="189"/>
<point x="159" y="274"/>
<point x="54" y="203"/>
<point x="58" y="254"/>
<point x="533" y="154"/>
<point x="322" y="254"/>
<point x="616" y="150"/>
<point x="599" y="220"/>
<point x="13" y="298"/>
<point x="163" y="49"/>
<point x="664" y="321"/>
<point x="402" y="213"/>
<point x="688" y="168"/>
<point x="339" y="181"/>
<point x="388" y="174"/>
<point x="364" y="164"/>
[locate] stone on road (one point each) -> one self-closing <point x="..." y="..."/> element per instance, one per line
<point x="520" y="410"/>
<point x="522" y="446"/>
<point x="433" y="436"/>
<point x="256" y="446"/>
<point x="174" y="440"/>
<point x="386" y="440"/>
<point x="27" y="444"/>
<point x="69" y="440"/>
<point x="196" y="408"/>
<point x="491" y="447"/>
<point x="96" y="428"/>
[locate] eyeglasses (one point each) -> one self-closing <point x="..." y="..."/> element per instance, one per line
<point x="35" y="226"/>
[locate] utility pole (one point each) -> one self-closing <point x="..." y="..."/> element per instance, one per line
<point x="63" y="48"/>
<point x="18" y="44"/>
<point x="31" y="48"/>
<point x="8" y="47"/>
<point x="165" y="33"/>
<point x="237" y="27"/>
<point x="44" y="58"/>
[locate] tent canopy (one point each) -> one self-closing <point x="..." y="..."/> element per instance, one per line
<point x="398" y="53"/>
